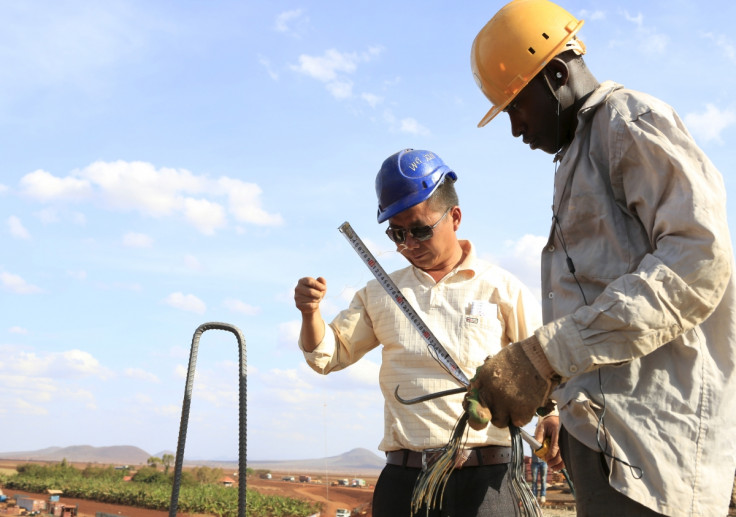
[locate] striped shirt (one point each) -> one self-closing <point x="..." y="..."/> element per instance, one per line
<point x="473" y="311"/>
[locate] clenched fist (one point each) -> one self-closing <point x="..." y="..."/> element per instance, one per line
<point x="308" y="293"/>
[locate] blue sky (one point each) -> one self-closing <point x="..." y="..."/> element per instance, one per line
<point x="165" y="164"/>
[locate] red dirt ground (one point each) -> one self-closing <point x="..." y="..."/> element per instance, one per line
<point x="332" y="497"/>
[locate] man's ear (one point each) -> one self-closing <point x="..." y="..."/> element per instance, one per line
<point x="557" y="72"/>
<point x="457" y="216"/>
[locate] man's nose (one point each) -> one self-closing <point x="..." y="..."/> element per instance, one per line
<point x="411" y="242"/>
<point x="517" y="127"/>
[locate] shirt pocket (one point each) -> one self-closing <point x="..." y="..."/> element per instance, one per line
<point x="481" y="336"/>
<point x="593" y="227"/>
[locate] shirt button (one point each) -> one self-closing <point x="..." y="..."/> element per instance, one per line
<point x="550" y="295"/>
<point x="551" y="248"/>
<point x="573" y="368"/>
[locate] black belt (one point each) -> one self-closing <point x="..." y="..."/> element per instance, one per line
<point x="477" y="457"/>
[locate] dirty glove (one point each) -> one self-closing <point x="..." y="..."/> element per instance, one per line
<point x="509" y="386"/>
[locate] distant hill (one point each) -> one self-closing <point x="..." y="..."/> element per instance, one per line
<point x="356" y="460"/>
<point x="116" y="454"/>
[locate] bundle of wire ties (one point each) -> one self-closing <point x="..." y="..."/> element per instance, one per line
<point x="430" y="485"/>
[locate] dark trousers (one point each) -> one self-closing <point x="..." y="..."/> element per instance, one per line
<point x="594" y="496"/>
<point x="470" y="492"/>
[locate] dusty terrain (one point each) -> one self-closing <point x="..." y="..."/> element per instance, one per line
<point x="559" y="503"/>
<point x="333" y="497"/>
<point x="90" y="508"/>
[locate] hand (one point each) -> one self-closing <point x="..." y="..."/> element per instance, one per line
<point x="508" y="387"/>
<point x="549" y="429"/>
<point x="308" y="293"/>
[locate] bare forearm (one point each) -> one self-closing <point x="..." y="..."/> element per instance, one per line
<point x="312" y="331"/>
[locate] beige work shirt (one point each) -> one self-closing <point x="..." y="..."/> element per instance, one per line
<point x="473" y="311"/>
<point x="642" y="215"/>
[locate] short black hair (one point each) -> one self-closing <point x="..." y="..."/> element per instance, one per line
<point x="444" y="196"/>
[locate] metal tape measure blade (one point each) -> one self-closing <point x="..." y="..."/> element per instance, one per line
<point x="393" y="291"/>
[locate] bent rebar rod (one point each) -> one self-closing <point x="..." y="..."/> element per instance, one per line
<point x="242" y="448"/>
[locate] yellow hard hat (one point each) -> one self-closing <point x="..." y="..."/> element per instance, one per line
<point x="515" y="45"/>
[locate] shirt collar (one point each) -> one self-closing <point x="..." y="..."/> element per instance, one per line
<point x="467" y="267"/>
<point x="596" y="98"/>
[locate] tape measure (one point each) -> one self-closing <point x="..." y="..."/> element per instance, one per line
<point x="435" y="347"/>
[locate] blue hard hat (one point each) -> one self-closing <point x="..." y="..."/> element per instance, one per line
<point x="406" y="179"/>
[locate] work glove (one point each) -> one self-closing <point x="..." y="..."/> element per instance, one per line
<point x="509" y="386"/>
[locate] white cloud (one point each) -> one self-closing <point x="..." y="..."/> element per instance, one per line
<point x="18" y="330"/>
<point x="650" y="40"/>
<point x="522" y="259"/>
<point x="288" y="334"/>
<point x="16" y="228"/>
<point x="57" y="365"/>
<point x="43" y="186"/>
<point x="637" y="20"/>
<point x="204" y="215"/>
<point x="241" y="307"/>
<point x="406" y="125"/>
<point x="33" y="382"/>
<point x="141" y="375"/>
<point x="266" y="63"/>
<point x="180" y="371"/>
<point x="364" y="372"/>
<point x="137" y="240"/>
<point x="48" y="215"/>
<point x="16" y="284"/>
<point x="411" y="126"/>
<point x="333" y="67"/>
<point x="340" y="88"/>
<point x="3" y="188"/>
<point x="724" y="43"/>
<point x="592" y="15"/>
<point x="372" y="99"/>
<point x="290" y="386"/>
<point x="325" y="68"/>
<point x="78" y="362"/>
<point x="140" y="186"/>
<point x="292" y="22"/>
<point x="244" y="203"/>
<point x="169" y="410"/>
<point x="186" y="302"/>
<point x="163" y="192"/>
<point x="709" y="125"/>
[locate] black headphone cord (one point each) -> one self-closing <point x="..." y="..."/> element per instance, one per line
<point x="636" y="471"/>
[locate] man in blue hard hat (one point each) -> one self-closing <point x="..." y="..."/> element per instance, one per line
<point x="470" y="305"/>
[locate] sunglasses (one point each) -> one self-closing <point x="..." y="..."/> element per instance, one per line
<point x="420" y="233"/>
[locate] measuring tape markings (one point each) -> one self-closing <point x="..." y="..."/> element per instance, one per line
<point x="393" y="291"/>
<point x="433" y="343"/>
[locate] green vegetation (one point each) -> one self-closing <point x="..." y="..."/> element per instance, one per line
<point x="151" y="488"/>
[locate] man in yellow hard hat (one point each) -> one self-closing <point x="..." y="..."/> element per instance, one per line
<point x="638" y="348"/>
